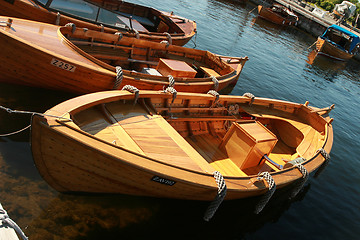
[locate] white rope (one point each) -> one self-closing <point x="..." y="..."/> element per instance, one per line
<point x="216" y="83"/>
<point x="72" y="25"/>
<point x="299" y="185"/>
<point x="215" y="94"/>
<point x="165" y="42"/>
<point x="266" y="197"/>
<point x="119" y="77"/>
<point x="250" y="95"/>
<point x="171" y="81"/>
<point x="221" y="193"/>
<point x="132" y="89"/>
<point x="168" y="37"/>
<point x="172" y="91"/>
<point x="327" y="160"/>
<point x="9" y="222"/>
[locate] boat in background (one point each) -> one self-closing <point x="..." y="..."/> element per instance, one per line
<point x="278" y="14"/>
<point x="152" y="143"/>
<point x="82" y="61"/>
<point x="338" y="43"/>
<point x="108" y="15"/>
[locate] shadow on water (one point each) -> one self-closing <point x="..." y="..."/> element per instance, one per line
<point x="110" y="216"/>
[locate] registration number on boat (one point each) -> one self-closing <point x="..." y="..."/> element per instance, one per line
<point x="63" y="65"/>
<point x="163" y="180"/>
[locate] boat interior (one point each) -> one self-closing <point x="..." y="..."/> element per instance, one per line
<point x="138" y="56"/>
<point x="338" y="38"/>
<point x="119" y="14"/>
<point x="204" y="135"/>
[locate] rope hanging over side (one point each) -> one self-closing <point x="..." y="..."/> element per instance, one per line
<point x="72" y="25"/>
<point x="6" y="221"/>
<point x="215" y="94"/>
<point x="216" y="83"/>
<point x="327" y="160"/>
<point x="266" y="197"/>
<point x="168" y="36"/>
<point x="172" y="91"/>
<point x="299" y="185"/>
<point x="221" y="193"/>
<point x="120" y="36"/>
<point x="137" y="35"/>
<point x="171" y="81"/>
<point x="119" y="77"/>
<point x="132" y="89"/>
<point x="250" y="95"/>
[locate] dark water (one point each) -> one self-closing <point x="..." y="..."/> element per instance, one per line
<point x="327" y="208"/>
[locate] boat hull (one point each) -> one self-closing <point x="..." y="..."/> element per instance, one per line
<point x="33" y="11"/>
<point x="328" y="49"/>
<point x="73" y="161"/>
<point x="273" y="17"/>
<point x="38" y="55"/>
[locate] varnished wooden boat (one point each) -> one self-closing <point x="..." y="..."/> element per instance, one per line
<point x="278" y="14"/>
<point x="339" y="43"/>
<point x="108" y="15"/>
<point x="83" y="61"/>
<point x="166" y="145"/>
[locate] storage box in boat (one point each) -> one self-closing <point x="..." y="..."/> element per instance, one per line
<point x="175" y="68"/>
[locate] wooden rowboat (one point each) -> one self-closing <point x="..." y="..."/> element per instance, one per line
<point x="163" y="145"/>
<point x="278" y="14"/>
<point x="83" y="61"/>
<point x="338" y="43"/>
<point x="109" y="15"/>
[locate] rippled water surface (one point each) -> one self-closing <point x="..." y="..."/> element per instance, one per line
<point x="327" y="208"/>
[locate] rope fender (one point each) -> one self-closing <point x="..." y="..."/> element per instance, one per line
<point x="299" y="185"/>
<point x="325" y="163"/>
<point x="216" y="83"/>
<point x="221" y="193"/>
<point x="215" y="94"/>
<point x="119" y="77"/>
<point x="171" y="81"/>
<point x="266" y="197"/>
<point x="5" y="220"/>
<point x="172" y="91"/>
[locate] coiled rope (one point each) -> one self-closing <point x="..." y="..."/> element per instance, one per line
<point x="132" y="89"/>
<point x="299" y="185"/>
<point x="119" y="77"/>
<point x="221" y="193"/>
<point x="266" y="197"/>
<point x="325" y="163"/>
<point x="27" y="112"/>
<point x="72" y="25"/>
<point x="250" y="95"/>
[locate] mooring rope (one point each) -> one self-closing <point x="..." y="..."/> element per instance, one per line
<point x="221" y="193"/>
<point x="119" y="77"/>
<point x="27" y="112"/>
<point x="266" y="197"/>
<point x="6" y="220"/>
<point x="299" y="185"/>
